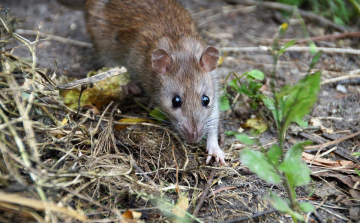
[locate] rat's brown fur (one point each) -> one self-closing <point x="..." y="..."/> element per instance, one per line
<point x="158" y="42"/>
<point x="128" y="32"/>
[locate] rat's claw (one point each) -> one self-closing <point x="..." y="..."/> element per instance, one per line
<point x="217" y="152"/>
<point x="208" y="159"/>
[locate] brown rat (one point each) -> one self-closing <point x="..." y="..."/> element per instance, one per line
<point x="158" y="42"/>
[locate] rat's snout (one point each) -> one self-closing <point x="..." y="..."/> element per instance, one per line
<point x="192" y="133"/>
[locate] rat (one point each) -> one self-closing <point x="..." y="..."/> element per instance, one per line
<point x="157" y="41"/>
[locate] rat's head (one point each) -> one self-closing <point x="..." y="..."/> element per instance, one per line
<point x="188" y="90"/>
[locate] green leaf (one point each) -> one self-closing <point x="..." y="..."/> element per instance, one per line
<point x="339" y="21"/>
<point x="278" y="203"/>
<point x="256" y="74"/>
<point x="357" y="171"/>
<point x="230" y="133"/>
<point x="312" y="48"/>
<point x="282" y="206"/>
<point x="254" y="87"/>
<point x="314" y="60"/>
<point x="233" y="83"/>
<point x="296" y="101"/>
<point x="356" y="154"/>
<point x="158" y="114"/>
<point x="253" y="104"/>
<point x="269" y="103"/>
<point x="297" y="172"/>
<point x="294" y="154"/>
<point x="274" y="154"/>
<point x="296" y="215"/>
<point x="306" y="207"/>
<point x="259" y="164"/>
<point x="224" y="103"/>
<point x="245" y="90"/>
<point x="286" y="45"/>
<point x="302" y="123"/>
<point x="245" y="139"/>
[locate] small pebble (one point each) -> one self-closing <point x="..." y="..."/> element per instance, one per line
<point x="73" y="26"/>
<point x="341" y="88"/>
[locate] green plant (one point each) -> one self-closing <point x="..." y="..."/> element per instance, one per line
<point x="339" y="11"/>
<point x="289" y="104"/>
<point x="250" y="88"/>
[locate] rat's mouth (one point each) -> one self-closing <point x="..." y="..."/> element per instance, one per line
<point x="193" y="136"/>
<point x="192" y="133"/>
<point x="192" y="139"/>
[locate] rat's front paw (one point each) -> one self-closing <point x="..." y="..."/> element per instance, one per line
<point x="214" y="150"/>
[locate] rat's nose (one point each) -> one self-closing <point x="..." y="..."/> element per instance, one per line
<point x="192" y="133"/>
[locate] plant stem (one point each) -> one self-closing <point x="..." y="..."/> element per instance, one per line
<point x="356" y="5"/>
<point x="294" y="219"/>
<point x="290" y="191"/>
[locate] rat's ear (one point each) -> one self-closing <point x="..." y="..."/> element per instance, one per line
<point x="161" y="61"/>
<point x="209" y="59"/>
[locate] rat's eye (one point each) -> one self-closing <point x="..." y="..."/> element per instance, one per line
<point x="205" y="100"/>
<point x="176" y="101"/>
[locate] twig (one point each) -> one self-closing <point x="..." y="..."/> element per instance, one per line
<point x="336" y="214"/>
<point x="220" y="189"/>
<point x="51" y="116"/>
<point x="292" y="48"/>
<point x="339" y="151"/>
<point x="326" y="37"/>
<point x="336" y="79"/>
<point x="40" y="205"/>
<point x="318" y="217"/>
<point x="62" y="158"/>
<point x="206" y="190"/>
<point x="93" y="79"/>
<point x="11" y="122"/>
<point x="24" y="112"/>
<point x="53" y="37"/>
<point x="86" y="198"/>
<point x="101" y="117"/>
<point x="333" y="142"/>
<point x="308" y="15"/>
<point x="144" y="175"/>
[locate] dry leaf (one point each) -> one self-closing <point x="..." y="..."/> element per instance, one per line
<point x="350" y="181"/>
<point x="98" y="94"/>
<point x="309" y="158"/>
<point x="180" y="209"/>
<point x="317" y="123"/>
<point x="346" y="162"/>
<point x="127" y="215"/>
<point x="64" y="121"/>
<point x="256" y="123"/>
<point x="132" y="120"/>
<point x="131" y="216"/>
<point x="221" y="59"/>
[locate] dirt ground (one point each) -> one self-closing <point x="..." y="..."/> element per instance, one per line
<point x="222" y="24"/>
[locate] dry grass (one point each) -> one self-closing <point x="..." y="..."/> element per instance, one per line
<point x="57" y="164"/>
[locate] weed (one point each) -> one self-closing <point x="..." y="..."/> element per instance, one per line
<point x="287" y="105"/>
<point x="340" y="11"/>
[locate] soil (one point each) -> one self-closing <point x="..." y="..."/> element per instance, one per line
<point x="337" y="110"/>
